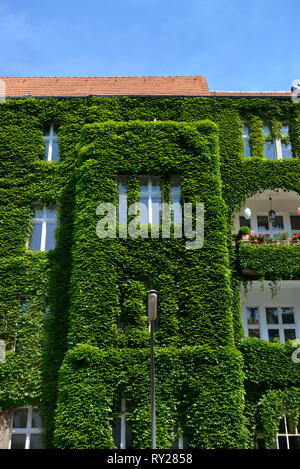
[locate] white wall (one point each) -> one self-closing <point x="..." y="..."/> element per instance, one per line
<point x="284" y="203"/>
<point x="287" y="295"/>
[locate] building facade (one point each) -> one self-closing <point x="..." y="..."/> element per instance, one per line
<point x="74" y="370"/>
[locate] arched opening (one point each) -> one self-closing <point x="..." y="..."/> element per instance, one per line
<point x="275" y="214"/>
<point x="272" y="315"/>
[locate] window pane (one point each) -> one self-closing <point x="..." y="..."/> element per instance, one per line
<point x="260" y="443"/>
<point x="155" y="180"/>
<point x="35" y="441"/>
<point x="144" y="180"/>
<point x="46" y="149"/>
<point x="117" y="432"/>
<point x="20" y="418"/>
<point x="55" y="150"/>
<point x="290" y="425"/>
<point x="270" y="150"/>
<point x="18" y="441"/>
<point x="287" y="315"/>
<point x="177" y="212"/>
<point x="144" y="217"/>
<point x="244" y="222"/>
<point x="55" y="130"/>
<point x="51" y="213"/>
<point x="246" y="140"/>
<point x="282" y="442"/>
<point x="294" y="442"/>
<point x="278" y="224"/>
<point x="254" y="333"/>
<point x="272" y="315"/>
<point x="122" y="184"/>
<point x="295" y="222"/>
<point x="128" y="437"/>
<point x="175" y="184"/>
<point x="273" y="335"/>
<point x="262" y="223"/>
<point x="289" y="334"/>
<point x="252" y="316"/>
<point x="38" y="213"/>
<point x="286" y="150"/>
<point x="36" y="419"/>
<point x="175" y="444"/>
<point x="122" y="209"/>
<point x="50" y="236"/>
<point x="155" y="210"/>
<point x="282" y="426"/>
<point x="35" y="244"/>
<point x="285" y="130"/>
<point x="47" y="130"/>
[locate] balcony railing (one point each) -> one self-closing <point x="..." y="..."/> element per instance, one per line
<point x="268" y="241"/>
<point x="273" y="260"/>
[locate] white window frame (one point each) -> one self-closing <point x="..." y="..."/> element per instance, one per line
<point x="51" y="138"/>
<point x="123" y="416"/>
<point x="252" y="326"/>
<point x="263" y="326"/>
<point x="293" y="232"/>
<point x="123" y="427"/>
<point x="246" y="139"/>
<point x="271" y="231"/>
<point x="277" y="141"/>
<point x="43" y="221"/>
<point x="28" y="431"/>
<point x="149" y="195"/>
<point x="280" y="325"/>
<point x="286" y="434"/>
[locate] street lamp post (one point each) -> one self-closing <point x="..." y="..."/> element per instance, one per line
<point x="152" y="315"/>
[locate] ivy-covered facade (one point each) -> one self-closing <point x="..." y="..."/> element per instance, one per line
<point x="215" y="386"/>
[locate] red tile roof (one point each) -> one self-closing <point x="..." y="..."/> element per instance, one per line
<point x="106" y="86"/>
<point x="252" y="93"/>
<point x="121" y="86"/>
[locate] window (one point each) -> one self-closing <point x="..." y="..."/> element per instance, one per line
<point x="286" y="147"/>
<point x="253" y="322"/>
<point x="44" y="225"/>
<point x="280" y="147"/>
<point x="150" y="199"/>
<point x="244" y="222"/>
<point x="246" y="141"/>
<point x="51" y="143"/>
<point x="121" y="429"/>
<point x="288" y="436"/>
<point x="176" y="199"/>
<point x="295" y="223"/>
<point x="270" y="230"/>
<point x="270" y="151"/>
<point x="280" y="324"/>
<point x="181" y="442"/>
<point x="272" y="323"/>
<point x="25" y="429"/>
<point x="122" y="186"/>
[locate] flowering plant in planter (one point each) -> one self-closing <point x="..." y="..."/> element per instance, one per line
<point x="296" y="238"/>
<point x="254" y="238"/>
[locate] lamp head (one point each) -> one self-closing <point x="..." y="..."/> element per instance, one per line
<point x="152" y="297"/>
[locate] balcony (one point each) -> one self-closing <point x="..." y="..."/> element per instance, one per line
<point x="270" y="259"/>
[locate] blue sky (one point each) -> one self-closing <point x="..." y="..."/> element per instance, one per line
<point x="238" y="45"/>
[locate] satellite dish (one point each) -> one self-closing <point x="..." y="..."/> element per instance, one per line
<point x="247" y="213"/>
<point x="296" y="91"/>
<point x="296" y="85"/>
